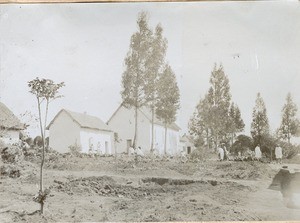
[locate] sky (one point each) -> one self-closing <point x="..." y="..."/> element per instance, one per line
<point x="84" y="45"/>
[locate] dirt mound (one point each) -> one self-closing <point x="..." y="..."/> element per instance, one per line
<point x="103" y="186"/>
<point x="162" y="181"/>
<point x="243" y="170"/>
<point x="99" y="185"/>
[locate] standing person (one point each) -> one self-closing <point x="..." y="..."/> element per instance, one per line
<point x="278" y="154"/>
<point x="221" y="153"/>
<point x="226" y="157"/>
<point x="139" y="152"/>
<point x="131" y="151"/>
<point x="257" y="152"/>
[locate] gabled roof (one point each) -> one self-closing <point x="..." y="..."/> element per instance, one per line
<point x="84" y="120"/>
<point x="147" y="113"/>
<point x="186" y="138"/>
<point x="8" y="120"/>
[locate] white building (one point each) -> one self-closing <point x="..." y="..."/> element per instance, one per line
<point x="186" y="144"/>
<point x="88" y="132"/>
<point x="123" y="123"/>
<point x="10" y="126"/>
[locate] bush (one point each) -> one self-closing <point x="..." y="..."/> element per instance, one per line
<point x="11" y="154"/>
<point x="10" y="171"/>
<point x="242" y="144"/>
<point x="289" y="151"/>
<point x="199" y="154"/>
<point x="267" y="145"/>
<point x="29" y="141"/>
<point x="75" y="149"/>
<point x="38" y="141"/>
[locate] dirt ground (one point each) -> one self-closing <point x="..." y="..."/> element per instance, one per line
<point x="108" y="189"/>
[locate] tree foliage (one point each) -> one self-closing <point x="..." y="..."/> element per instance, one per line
<point x="145" y="71"/>
<point x="199" y="126"/>
<point x="154" y="68"/>
<point x="216" y="118"/>
<point x="289" y="123"/>
<point x="235" y="123"/>
<point x="136" y="61"/>
<point x="168" y="98"/>
<point x="155" y="65"/>
<point x="242" y="144"/>
<point x="219" y="98"/>
<point x="260" y="122"/>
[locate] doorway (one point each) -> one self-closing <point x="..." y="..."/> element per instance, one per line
<point x="129" y="144"/>
<point x="106" y="148"/>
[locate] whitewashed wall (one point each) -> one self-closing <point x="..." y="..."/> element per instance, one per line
<point x="97" y="140"/>
<point x="123" y="124"/>
<point x="172" y="140"/>
<point x="63" y="133"/>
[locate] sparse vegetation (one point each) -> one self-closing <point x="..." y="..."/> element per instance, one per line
<point x="45" y="90"/>
<point x="75" y="149"/>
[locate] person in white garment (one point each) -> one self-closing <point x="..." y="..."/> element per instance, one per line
<point x="226" y="153"/>
<point x="131" y="151"/>
<point x="257" y="152"/>
<point x="221" y="153"/>
<point x="278" y="153"/>
<point x="139" y="152"/>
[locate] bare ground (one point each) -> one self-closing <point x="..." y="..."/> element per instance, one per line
<point x="105" y="189"/>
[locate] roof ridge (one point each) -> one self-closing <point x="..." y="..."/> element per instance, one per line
<point x="84" y="120"/>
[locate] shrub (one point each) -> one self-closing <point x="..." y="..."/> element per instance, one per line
<point x="242" y="144"/>
<point x="38" y="141"/>
<point x="29" y="141"/>
<point x="75" y="149"/>
<point x="199" y="154"/>
<point x="10" y="171"/>
<point x="11" y="154"/>
<point x="289" y="151"/>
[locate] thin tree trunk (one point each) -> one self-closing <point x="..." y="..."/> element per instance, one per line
<point x="165" y="146"/>
<point x="271" y="155"/>
<point x="43" y="155"/>
<point x="207" y="139"/>
<point x="45" y="123"/>
<point x="152" y="129"/>
<point x="231" y="141"/>
<point x="217" y="143"/>
<point x="135" y="127"/>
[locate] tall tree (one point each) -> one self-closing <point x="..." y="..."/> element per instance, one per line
<point x="199" y="123"/>
<point x="289" y="123"/>
<point x="260" y="122"/>
<point x="168" y="99"/>
<point x="45" y="90"/>
<point x="235" y="121"/>
<point x="219" y="100"/>
<point x="154" y="67"/>
<point x="214" y="119"/>
<point x="133" y="78"/>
